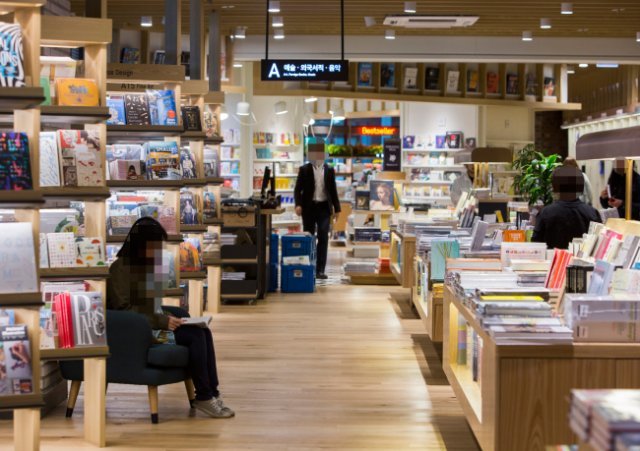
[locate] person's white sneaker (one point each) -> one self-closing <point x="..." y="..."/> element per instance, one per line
<point x="214" y="408"/>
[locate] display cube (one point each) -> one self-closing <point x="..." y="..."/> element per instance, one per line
<point x="298" y="279"/>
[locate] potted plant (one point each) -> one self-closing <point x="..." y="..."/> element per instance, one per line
<point x="534" y="181"/>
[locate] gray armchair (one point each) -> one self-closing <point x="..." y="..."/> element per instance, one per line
<point x="135" y="359"/>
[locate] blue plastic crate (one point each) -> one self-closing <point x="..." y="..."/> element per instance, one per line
<point x="274" y="248"/>
<point x="298" y="279"/>
<point x="273" y="277"/>
<point x="295" y="245"/>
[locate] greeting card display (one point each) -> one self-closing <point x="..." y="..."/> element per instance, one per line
<point x="80" y="153"/>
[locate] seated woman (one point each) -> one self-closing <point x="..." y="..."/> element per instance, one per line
<point x="135" y="283"/>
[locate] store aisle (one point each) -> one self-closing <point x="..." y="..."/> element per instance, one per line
<point x="338" y="369"/>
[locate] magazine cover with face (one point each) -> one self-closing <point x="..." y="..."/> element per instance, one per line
<point x="381" y="195"/>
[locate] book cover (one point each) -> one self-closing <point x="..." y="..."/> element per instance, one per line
<point x="472" y="80"/>
<point x="80" y="155"/>
<point x="126" y="170"/>
<point x="549" y="87"/>
<point x="514" y="236"/>
<point x="381" y="195"/>
<point x="365" y="74"/>
<point x="191" y="119"/>
<point x="49" y="162"/>
<point x="188" y="164"/>
<point x="531" y="85"/>
<point x="209" y="206"/>
<point x="116" y="110"/>
<point x="90" y="252"/>
<point x="77" y="92"/>
<point x="453" y="81"/>
<point x="12" y="71"/>
<point x="210" y="161"/>
<point x="512" y="84"/>
<point x="17" y="247"/>
<point x="16" y="377"/>
<point x="362" y="200"/>
<point x="167" y="218"/>
<point x="15" y="163"/>
<point x="159" y="56"/>
<point x="162" y="107"/>
<point x="162" y="160"/>
<point x="190" y="255"/>
<point x="387" y="75"/>
<point x="88" y="318"/>
<point x="432" y="78"/>
<point x="189" y="208"/>
<point x="441" y="250"/>
<point x="601" y="278"/>
<point x="454" y="140"/>
<point x="137" y="109"/>
<point x="62" y="250"/>
<point x="130" y="55"/>
<point x="493" y="83"/>
<point x="211" y="123"/>
<point x="411" y="78"/>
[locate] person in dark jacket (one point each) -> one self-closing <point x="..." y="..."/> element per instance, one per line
<point x="616" y="194"/>
<point x="135" y="283"/>
<point x="568" y="217"/>
<point x="316" y="198"/>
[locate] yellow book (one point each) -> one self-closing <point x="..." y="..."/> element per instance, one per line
<point x="511" y="298"/>
<point x="77" y="92"/>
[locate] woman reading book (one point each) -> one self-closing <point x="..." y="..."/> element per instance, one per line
<point x="135" y="283"/>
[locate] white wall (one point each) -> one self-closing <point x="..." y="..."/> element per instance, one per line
<point x="422" y="119"/>
<point x="511" y="127"/>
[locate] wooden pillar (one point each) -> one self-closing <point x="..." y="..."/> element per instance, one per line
<point x="228" y="58"/>
<point x="95" y="372"/>
<point x="629" y="191"/>
<point x="196" y="39"/>
<point x="144" y="46"/>
<point x="172" y="31"/>
<point x="213" y="68"/>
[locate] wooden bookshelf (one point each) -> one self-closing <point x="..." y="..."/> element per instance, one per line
<point x="523" y="391"/>
<point x="95" y="193"/>
<point x="190" y="275"/>
<point x="143" y="131"/>
<point x="21" y="300"/>
<point x="101" y="272"/>
<point x="53" y="115"/>
<point x="145" y="184"/>
<point x="21" y="199"/>
<point x="403" y="251"/>
<point x="74" y="353"/>
<point x="428" y="306"/>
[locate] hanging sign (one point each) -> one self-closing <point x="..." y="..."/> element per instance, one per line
<point x="304" y="70"/>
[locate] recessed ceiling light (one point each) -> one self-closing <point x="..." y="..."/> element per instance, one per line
<point x="390" y="34"/>
<point x="240" y="33"/>
<point x="146" y="21"/>
<point x="277" y="21"/>
<point x="617" y="10"/>
<point x="278" y="33"/>
<point x="369" y="21"/>
<point x="237" y="65"/>
<point x="410" y="7"/>
<point x="545" y="24"/>
<point x="566" y="8"/>
<point x="607" y="65"/>
<point x="583" y="65"/>
<point x="527" y="36"/>
<point x="274" y="6"/>
<point x="311" y="99"/>
<point x="228" y="6"/>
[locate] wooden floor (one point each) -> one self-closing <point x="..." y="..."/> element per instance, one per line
<point x="345" y="368"/>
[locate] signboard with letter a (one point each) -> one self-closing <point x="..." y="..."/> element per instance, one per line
<point x="304" y="70"/>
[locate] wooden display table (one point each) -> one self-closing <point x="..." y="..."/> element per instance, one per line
<point x="521" y="399"/>
<point x="403" y="251"/>
<point x="428" y="305"/>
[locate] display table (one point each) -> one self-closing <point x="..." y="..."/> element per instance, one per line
<point x="403" y="251"/>
<point x="521" y="398"/>
<point x="427" y="304"/>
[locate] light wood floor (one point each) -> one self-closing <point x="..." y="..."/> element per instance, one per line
<point x="338" y="369"/>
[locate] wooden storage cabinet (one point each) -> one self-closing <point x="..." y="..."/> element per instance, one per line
<point x="521" y="401"/>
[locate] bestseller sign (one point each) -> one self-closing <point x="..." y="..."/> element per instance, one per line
<point x="305" y="70"/>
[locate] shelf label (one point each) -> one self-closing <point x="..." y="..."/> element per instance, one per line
<point x="304" y="70"/>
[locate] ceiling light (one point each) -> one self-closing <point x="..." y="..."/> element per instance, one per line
<point x="638" y="36"/>
<point x="278" y="33"/>
<point x="310" y="99"/>
<point x="566" y="8"/>
<point x="369" y="21"/>
<point x="545" y="24"/>
<point x="527" y="36"/>
<point x="274" y="6"/>
<point x="607" y="65"/>
<point x="571" y="70"/>
<point x="338" y="114"/>
<point x="224" y="115"/>
<point x="243" y="109"/>
<point x="237" y="65"/>
<point x="312" y="121"/>
<point x="390" y="34"/>
<point x="277" y="21"/>
<point x="281" y="108"/>
<point x="410" y="7"/>
<point x="583" y="65"/>
<point x="241" y="33"/>
<point x="146" y="21"/>
<point x="228" y="6"/>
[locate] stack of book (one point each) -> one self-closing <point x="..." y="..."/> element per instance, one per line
<point x="361" y="267"/>
<point x="227" y="239"/>
<point x="234" y="275"/>
<point x="613" y="318"/>
<point x="367" y="234"/>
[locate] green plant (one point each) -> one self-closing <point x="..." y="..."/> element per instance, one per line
<point x="536" y="170"/>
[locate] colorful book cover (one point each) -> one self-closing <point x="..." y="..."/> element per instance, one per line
<point x="191" y="118"/>
<point x="362" y="200"/>
<point x="365" y="74"/>
<point x="77" y="92"/>
<point x="512" y="84"/>
<point x="62" y="250"/>
<point x="15" y="164"/>
<point x="88" y="319"/>
<point x="209" y="208"/>
<point x="472" y="80"/>
<point x="388" y="75"/>
<point x="210" y="124"/>
<point x="126" y="170"/>
<point x="116" y="110"/>
<point x="90" y="252"/>
<point x="49" y="162"/>
<point x="16" y="377"/>
<point x="210" y="161"/>
<point x="493" y="82"/>
<point x="432" y="78"/>
<point x="191" y="255"/>
<point x="130" y="55"/>
<point x="162" y="160"/>
<point x="12" y="72"/>
<point x="188" y="208"/>
<point x="162" y="107"/>
<point x="80" y="154"/>
<point x="441" y="250"/>
<point x="531" y="85"/>
<point x="137" y="109"/>
<point x="453" y="81"/>
<point x="188" y="164"/>
<point x="408" y="142"/>
<point x="549" y="86"/>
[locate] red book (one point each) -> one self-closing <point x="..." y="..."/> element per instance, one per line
<point x="68" y="319"/>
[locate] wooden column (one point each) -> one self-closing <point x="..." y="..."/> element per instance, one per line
<point x="95" y="8"/>
<point x="196" y="39"/>
<point x="172" y="29"/>
<point x="214" y="276"/>
<point x="629" y="189"/>
<point x="95" y="377"/>
<point x="213" y="67"/>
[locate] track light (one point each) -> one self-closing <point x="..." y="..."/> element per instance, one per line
<point x="243" y="109"/>
<point x="571" y="70"/>
<point x="274" y="6"/>
<point x="240" y="33"/>
<point x="281" y="108"/>
<point x="527" y="36"/>
<point x="545" y="24"/>
<point x="390" y="34"/>
<point x="566" y="8"/>
<point x="146" y="21"/>
<point x="338" y="114"/>
<point x="410" y="7"/>
<point x="369" y="21"/>
<point x="278" y="33"/>
<point x="277" y="22"/>
<point x="310" y="99"/>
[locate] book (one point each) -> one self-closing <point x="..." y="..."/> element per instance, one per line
<point x="604" y="244"/>
<point x="531" y="85"/>
<point x="7" y="317"/>
<point x="189" y="208"/>
<point x="17" y="247"/>
<point x="15" y="163"/>
<point x="115" y="103"/>
<point x="162" y="107"/>
<point x="432" y="78"/>
<point x="130" y="55"/>
<point x="16" y="377"/>
<point x="558" y="271"/>
<point x="453" y="81"/>
<point x="601" y="278"/>
<point x="88" y="319"/>
<point x="77" y="92"/>
<point x="365" y="74"/>
<point x="209" y="206"/>
<point x="62" y="250"/>
<point x="628" y="251"/>
<point x="512" y="84"/>
<point x="162" y="160"/>
<point x="387" y="75"/>
<point x="190" y="255"/>
<point x="191" y="119"/>
<point x="472" y="80"/>
<point x="188" y="163"/>
<point x="137" y="109"/>
<point x="197" y="321"/>
<point x="210" y="123"/>
<point x="49" y="162"/>
<point x="90" y="252"/>
<point x="522" y="251"/>
<point x="410" y="77"/>
<point x="12" y="71"/>
<point x="159" y="56"/>
<point x="167" y="218"/>
<point x="549" y="87"/>
<point x="362" y="200"/>
<point x="80" y="157"/>
<point x="408" y="142"/>
<point x="210" y="162"/>
<point x="126" y="170"/>
<point x="513" y="236"/>
<point x="441" y="250"/>
<point x="493" y="83"/>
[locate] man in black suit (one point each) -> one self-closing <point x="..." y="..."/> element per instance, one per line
<point x="316" y="197"/>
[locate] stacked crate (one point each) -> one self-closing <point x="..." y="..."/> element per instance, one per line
<point x="298" y="278"/>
